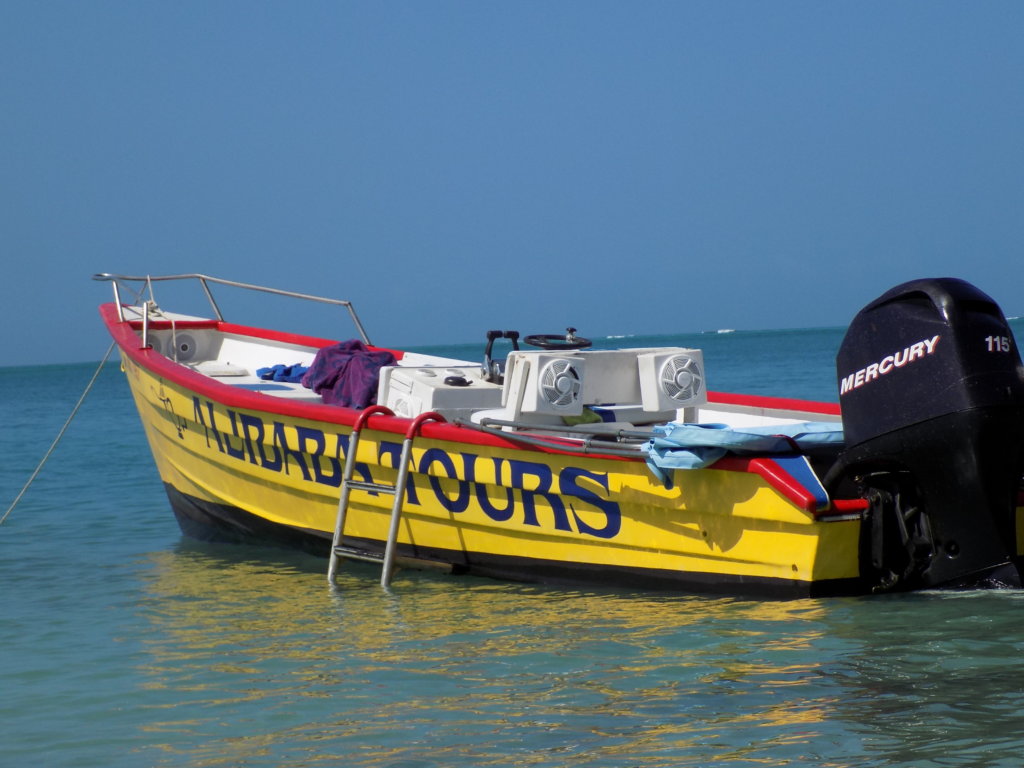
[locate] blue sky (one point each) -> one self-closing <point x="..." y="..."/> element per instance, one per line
<point x="450" y="167"/>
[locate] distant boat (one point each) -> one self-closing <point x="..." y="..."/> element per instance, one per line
<point x="563" y="464"/>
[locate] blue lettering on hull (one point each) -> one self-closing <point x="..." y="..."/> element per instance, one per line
<point x="574" y="500"/>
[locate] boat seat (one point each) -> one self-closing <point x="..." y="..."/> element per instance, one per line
<point x="283" y="389"/>
<point x="219" y="369"/>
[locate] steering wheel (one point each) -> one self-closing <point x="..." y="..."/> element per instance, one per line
<point x="556" y="341"/>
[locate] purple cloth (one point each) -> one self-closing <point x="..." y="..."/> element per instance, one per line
<point x="346" y="373"/>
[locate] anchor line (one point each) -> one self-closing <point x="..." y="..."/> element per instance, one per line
<point x="60" y="434"/>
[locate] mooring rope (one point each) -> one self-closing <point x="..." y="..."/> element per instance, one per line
<point x="60" y="434"/>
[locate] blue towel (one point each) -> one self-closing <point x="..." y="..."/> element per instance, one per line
<point x="292" y="373"/>
<point x="693" y="446"/>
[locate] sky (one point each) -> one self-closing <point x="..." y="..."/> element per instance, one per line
<point x="455" y="166"/>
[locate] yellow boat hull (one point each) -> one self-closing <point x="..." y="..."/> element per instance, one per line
<point x="503" y="511"/>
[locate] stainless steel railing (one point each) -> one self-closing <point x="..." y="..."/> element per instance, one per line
<point x="146" y="281"/>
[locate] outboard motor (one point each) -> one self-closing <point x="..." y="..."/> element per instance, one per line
<point x="932" y="395"/>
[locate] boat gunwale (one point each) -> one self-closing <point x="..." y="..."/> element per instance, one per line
<point x="774" y="403"/>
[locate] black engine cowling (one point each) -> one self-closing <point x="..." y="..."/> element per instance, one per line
<point x="932" y="395"/>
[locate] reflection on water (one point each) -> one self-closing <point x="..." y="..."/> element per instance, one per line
<point x="257" y="662"/>
<point x="459" y="671"/>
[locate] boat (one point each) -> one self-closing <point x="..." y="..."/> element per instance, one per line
<point x="549" y="461"/>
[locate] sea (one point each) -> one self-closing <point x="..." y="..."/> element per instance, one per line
<point x="124" y="644"/>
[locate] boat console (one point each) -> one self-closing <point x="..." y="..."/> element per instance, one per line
<point x="641" y="386"/>
<point x="554" y="387"/>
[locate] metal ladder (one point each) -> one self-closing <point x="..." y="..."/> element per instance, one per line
<point x="387" y="558"/>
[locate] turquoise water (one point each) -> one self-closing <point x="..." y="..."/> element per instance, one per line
<point x="123" y="644"/>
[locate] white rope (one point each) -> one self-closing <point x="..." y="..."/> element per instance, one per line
<point x="152" y="310"/>
<point x="60" y="434"/>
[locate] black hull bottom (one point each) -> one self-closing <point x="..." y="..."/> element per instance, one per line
<point x="207" y="521"/>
